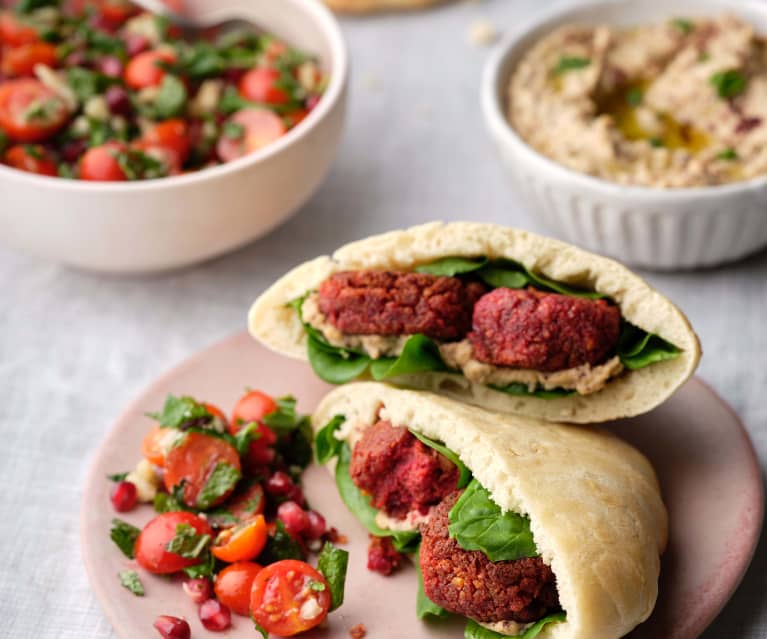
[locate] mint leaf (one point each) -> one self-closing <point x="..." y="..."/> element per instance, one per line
<point x="464" y="474"/>
<point x="178" y="411"/>
<point x="326" y="445"/>
<point x="188" y="543"/>
<point x="279" y="546"/>
<point x="130" y="580"/>
<point x="221" y="481"/>
<point x="332" y="563"/>
<point x="205" y="568"/>
<point x="165" y="503"/>
<point x="476" y="522"/>
<point x="247" y="434"/>
<point x="425" y="607"/>
<point x="284" y="418"/>
<point x="124" y="535"/>
<point x="171" y="98"/>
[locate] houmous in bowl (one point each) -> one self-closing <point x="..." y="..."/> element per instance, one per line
<point x="639" y="129"/>
<point x="676" y="103"/>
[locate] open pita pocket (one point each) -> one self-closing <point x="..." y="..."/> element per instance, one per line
<point x="593" y="501"/>
<point x="645" y="381"/>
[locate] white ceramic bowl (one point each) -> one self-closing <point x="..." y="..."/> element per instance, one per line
<point x="655" y="228"/>
<point x="172" y="222"/>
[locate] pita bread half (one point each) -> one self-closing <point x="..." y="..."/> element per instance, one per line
<point x="593" y="501"/>
<point x="633" y="393"/>
<point x="370" y="6"/>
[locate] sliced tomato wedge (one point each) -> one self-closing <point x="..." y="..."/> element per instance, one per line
<point x="20" y="61"/>
<point x="30" y="111"/>
<point x="151" y="546"/>
<point x="245" y="503"/>
<point x="289" y="597"/>
<point x="14" y="32"/>
<point x="247" y="131"/>
<point x="233" y="585"/>
<point x="243" y="542"/>
<point x="31" y="158"/>
<point x="193" y="461"/>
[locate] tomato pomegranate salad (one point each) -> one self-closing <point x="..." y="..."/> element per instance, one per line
<point x="231" y="517"/>
<point x="99" y="90"/>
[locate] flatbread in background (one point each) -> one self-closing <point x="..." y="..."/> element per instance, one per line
<point x="371" y="6"/>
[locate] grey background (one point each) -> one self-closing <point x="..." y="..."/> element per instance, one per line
<point x="76" y="347"/>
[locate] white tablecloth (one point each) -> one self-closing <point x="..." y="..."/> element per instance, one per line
<point x="76" y="347"/>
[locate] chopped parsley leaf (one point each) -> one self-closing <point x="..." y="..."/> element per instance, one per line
<point x="124" y="535"/>
<point x="727" y="154"/>
<point x="130" y="580"/>
<point x="728" y="84"/>
<point x="188" y="543"/>
<point x="684" y="25"/>
<point x="574" y="63"/>
<point x="634" y="97"/>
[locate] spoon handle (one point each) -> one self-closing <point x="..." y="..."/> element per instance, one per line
<point x="159" y="7"/>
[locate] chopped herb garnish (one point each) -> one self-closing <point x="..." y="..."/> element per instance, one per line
<point x="727" y="154"/>
<point x="188" y="543"/>
<point x="234" y="130"/>
<point x="33" y="151"/>
<point x="728" y="84"/>
<point x="634" y="97"/>
<point x="138" y="165"/>
<point x="124" y="535"/>
<point x="684" y="25"/>
<point x="171" y="98"/>
<point x="117" y="477"/>
<point x="179" y="411"/>
<point x="658" y="143"/>
<point x="221" y="481"/>
<point x="574" y="63"/>
<point x="130" y="580"/>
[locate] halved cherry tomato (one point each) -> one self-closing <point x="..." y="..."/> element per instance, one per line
<point x="169" y="159"/>
<point x="14" y="32"/>
<point x="281" y="594"/>
<point x="99" y="164"/>
<point x="296" y="117"/>
<point x="246" y="503"/>
<point x="193" y="460"/>
<point x="21" y="60"/>
<point x="151" y="551"/>
<point x="172" y="135"/>
<point x="115" y="12"/>
<point x="144" y="71"/>
<point x="30" y="111"/>
<point x="233" y="585"/>
<point x="156" y="443"/>
<point x="259" y="128"/>
<point x="243" y="542"/>
<point x="262" y="85"/>
<point x="253" y="407"/>
<point x="33" y="159"/>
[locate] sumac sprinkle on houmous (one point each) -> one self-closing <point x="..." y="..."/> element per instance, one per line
<point x="681" y="103"/>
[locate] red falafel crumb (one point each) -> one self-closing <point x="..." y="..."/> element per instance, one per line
<point x="400" y="473"/>
<point x="466" y="582"/>
<point x="390" y="303"/>
<point x="358" y="631"/>
<point x="382" y="556"/>
<point x="542" y="331"/>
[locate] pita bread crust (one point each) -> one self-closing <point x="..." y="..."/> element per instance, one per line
<point x="369" y="6"/>
<point x="593" y="501"/>
<point x="634" y="393"/>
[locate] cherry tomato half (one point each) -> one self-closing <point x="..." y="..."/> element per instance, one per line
<point x="289" y="597"/>
<point x="156" y="443"/>
<point x="246" y="503"/>
<point x="14" y="32"/>
<point x="145" y="71"/>
<point x="262" y="85"/>
<point x="233" y="585"/>
<point x="115" y="12"/>
<point x="193" y="460"/>
<point x="33" y="159"/>
<point x="243" y="542"/>
<point x="151" y="551"/>
<point x="21" y="60"/>
<point x="254" y="128"/>
<point x="99" y="164"/>
<point x="253" y="407"/>
<point x="172" y="135"/>
<point x="30" y="111"/>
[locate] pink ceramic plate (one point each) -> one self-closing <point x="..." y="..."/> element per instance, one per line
<point x="703" y="456"/>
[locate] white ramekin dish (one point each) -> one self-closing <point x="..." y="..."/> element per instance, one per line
<point x="650" y="227"/>
<point x="171" y="222"/>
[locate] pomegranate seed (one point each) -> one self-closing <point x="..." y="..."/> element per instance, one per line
<point x="76" y="59"/>
<point x="198" y="590"/>
<point x="124" y="496"/>
<point x="293" y="516"/>
<point x="172" y="627"/>
<point x="111" y="66"/>
<point x="135" y="44"/>
<point x="279" y="484"/>
<point x="297" y="495"/>
<point x="118" y="100"/>
<point x="261" y="454"/>
<point x="312" y="102"/>
<point x="215" y="616"/>
<point x="72" y="151"/>
<point x="316" y="525"/>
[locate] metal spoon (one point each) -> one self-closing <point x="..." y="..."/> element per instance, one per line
<point x="191" y="26"/>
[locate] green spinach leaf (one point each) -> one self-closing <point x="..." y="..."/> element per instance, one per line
<point x="419" y="354"/>
<point x="124" y="535"/>
<point x="638" y="349"/>
<point x="464" y="474"/>
<point x="332" y="563"/>
<point x="474" y="631"/>
<point x="452" y="266"/>
<point x="476" y="522"/>
<point x="326" y="446"/>
<point x="517" y="388"/>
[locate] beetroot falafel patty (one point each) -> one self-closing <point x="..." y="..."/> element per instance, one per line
<point x="388" y="303"/>
<point x="399" y="472"/>
<point x="466" y="582"/>
<point x="543" y="331"/>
